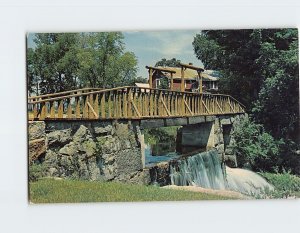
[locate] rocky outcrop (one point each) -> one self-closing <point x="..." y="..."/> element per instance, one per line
<point x="37" y="140"/>
<point x="89" y="150"/>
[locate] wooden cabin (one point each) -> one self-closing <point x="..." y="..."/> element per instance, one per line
<point x="187" y="75"/>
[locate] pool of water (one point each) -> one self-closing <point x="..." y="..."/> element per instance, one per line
<point x="150" y="159"/>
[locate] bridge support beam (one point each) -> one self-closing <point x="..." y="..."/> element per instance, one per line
<point x="196" y="136"/>
<point x="214" y="132"/>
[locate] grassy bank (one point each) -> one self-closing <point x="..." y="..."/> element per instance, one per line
<point x="68" y="191"/>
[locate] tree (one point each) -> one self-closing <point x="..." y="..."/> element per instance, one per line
<point x="254" y="147"/>
<point x="259" y="68"/>
<point x="170" y="63"/>
<point x="103" y="62"/>
<point x="52" y="64"/>
<point x="64" y="61"/>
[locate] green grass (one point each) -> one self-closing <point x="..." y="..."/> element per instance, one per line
<point x="74" y="191"/>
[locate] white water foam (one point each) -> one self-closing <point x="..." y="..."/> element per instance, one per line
<point x="204" y="170"/>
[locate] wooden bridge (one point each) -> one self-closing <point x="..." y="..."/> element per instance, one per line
<point x="129" y="103"/>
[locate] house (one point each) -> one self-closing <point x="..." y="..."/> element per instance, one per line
<point x="192" y="77"/>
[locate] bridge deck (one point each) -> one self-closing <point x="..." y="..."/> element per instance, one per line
<point x="129" y="103"/>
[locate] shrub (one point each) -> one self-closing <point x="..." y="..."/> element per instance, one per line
<point x="285" y="184"/>
<point x="255" y="147"/>
<point x="36" y="171"/>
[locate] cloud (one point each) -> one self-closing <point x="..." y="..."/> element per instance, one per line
<point x="172" y="43"/>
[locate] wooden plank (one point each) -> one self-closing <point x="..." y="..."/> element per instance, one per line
<point x="205" y="107"/>
<point x="91" y="102"/>
<point x="85" y="108"/>
<point x="230" y="105"/>
<point x="165" y="106"/>
<point x="182" y="88"/>
<point x="60" y="109"/>
<point x="103" y="106"/>
<point x="77" y="104"/>
<point x="188" y="107"/>
<point x="160" y="107"/>
<point x="176" y="105"/>
<point x="172" y="83"/>
<point x="52" y="109"/>
<point x="35" y="111"/>
<point x="92" y="110"/>
<point x="200" y="104"/>
<point x="109" y="105"/>
<point x="120" y="104"/>
<point x="43" y="111"/>
<point x="219" y="106"/>
<point x="147" y="112"/>
<point x="129" y="107"/>
<point x="134" y="107"/>
<point x="182" y="105"/>
<point x="96" y="105"/>
<point x="125" y="104"/>
<point x="115" y="104"/>
<point x="154" y="103"/>
<point x="69" y="110"/>
<point x="151" y="104"/>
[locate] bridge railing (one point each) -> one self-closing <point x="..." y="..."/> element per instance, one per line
<point x="130" y="103"/>
<point x="59" y="94"/>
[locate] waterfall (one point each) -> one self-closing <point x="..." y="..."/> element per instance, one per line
<point x="203" y="169"/>
<point x="247" y="182"/>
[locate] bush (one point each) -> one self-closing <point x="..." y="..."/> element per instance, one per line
<point x="255" y="147"/>
<point x="285" y="184"/>
<point x="36" y="171"/>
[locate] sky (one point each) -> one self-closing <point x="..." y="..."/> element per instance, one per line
<point x="151" y="46"/>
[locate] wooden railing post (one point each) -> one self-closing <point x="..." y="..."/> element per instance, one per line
<point x="103" y="106"/>
<point x="60" y="109"/>
<point x="129" y="109"/>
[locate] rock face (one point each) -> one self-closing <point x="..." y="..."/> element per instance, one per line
<point x="88" y="150"/>
<point x="37" y="140"/>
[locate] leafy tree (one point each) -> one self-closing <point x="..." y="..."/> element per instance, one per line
<point x="254" y="147"/>
<point x="55" y="61"/>
<point x="63" y="61"/>
<point x="170" y="63"/>
<point x="259" y="68"/>
<point x="103" y="62"/>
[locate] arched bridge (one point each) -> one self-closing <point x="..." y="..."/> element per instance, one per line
<point x="129" y="103"/>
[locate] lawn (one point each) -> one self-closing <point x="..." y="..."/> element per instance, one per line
<point x="74" y="191"/>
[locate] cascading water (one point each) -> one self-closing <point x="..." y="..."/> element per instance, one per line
<point x="247" y="182"/>
<point x="204" y="170"/>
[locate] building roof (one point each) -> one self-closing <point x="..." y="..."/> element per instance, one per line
<point x="191" y="74"/>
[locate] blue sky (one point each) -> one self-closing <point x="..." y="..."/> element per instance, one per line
<point x="152" y="46"/>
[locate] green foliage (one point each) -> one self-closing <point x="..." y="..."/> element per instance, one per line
<point x="254" y="147"/>
<point x="156" y="135"/>
<point x="64" y="61"/>
<point x="260" y="68"/>
<point x="164" y="83"/>
<point x="72" y="191"/>
<point x="169" y="63"/>
<point x="36" y="171"/>
<point x="285" y="184"/>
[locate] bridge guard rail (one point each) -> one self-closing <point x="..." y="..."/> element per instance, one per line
<point x="129" y="103"/>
